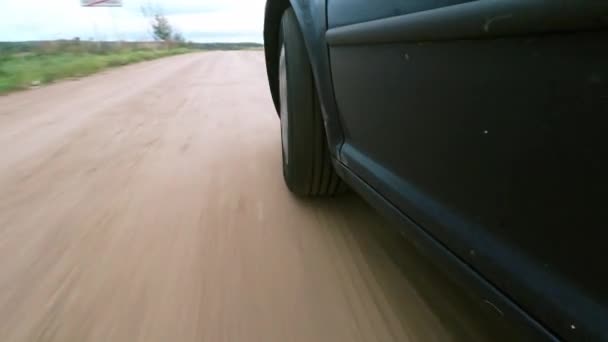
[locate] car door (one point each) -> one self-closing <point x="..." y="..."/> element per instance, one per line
<point x="484" y="123"/>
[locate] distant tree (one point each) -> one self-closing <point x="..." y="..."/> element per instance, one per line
<point x="161" y="28"/>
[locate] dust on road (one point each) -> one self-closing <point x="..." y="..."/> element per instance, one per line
<point x="146" y="204"/>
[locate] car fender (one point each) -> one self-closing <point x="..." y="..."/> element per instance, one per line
<point x="312" y="17"/>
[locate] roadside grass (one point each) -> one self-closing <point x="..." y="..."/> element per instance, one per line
<point x="22" y="70"/>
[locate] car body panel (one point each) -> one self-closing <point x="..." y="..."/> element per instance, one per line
<point x="347" y="12"/>
<point x="461" y="132"/>
<point x="468" y="20"/>
<point x="492" y="301"/>
<point x="445" y="119"/>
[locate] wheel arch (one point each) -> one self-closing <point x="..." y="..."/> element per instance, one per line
<point x="272" y="21"/>
<point x="312" y="19"/>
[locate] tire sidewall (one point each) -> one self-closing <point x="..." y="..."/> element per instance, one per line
<point x="299" y="102"/>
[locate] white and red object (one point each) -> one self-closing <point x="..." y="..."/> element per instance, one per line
<point x="101" y="3"/>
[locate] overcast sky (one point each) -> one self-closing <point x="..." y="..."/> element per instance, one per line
<point x="198" y="20"/>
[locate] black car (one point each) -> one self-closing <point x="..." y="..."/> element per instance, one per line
<point x="480" y="126"/>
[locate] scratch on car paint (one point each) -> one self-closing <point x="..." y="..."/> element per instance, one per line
<point x="489" y="22"/>
<point x="494" y="307"/>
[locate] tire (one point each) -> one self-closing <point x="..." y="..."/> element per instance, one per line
<point x="307" y="166"/>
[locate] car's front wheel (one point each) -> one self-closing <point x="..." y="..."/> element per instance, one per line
<point x="307" y="166"/>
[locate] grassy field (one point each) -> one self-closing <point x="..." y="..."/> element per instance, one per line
<point x="26" y="64"/>
<point x="22" y="66"/>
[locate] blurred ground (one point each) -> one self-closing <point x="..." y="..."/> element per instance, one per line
<point x="146" y="204"/>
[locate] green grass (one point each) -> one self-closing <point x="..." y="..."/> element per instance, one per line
<point x="21" y="70"/>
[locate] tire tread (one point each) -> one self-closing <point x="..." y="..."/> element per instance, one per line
<point x="311" y="173"/>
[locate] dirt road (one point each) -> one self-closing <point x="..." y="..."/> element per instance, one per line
<point x="146" y="204"/>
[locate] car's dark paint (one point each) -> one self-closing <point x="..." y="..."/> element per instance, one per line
<point x="472" y="20"/>
<point x="358" y="11"/>
<point x="499" y="152"/>
<point x="524" y="327"/>
<point x="311" y="15"/>
<point x="488" y="149"/>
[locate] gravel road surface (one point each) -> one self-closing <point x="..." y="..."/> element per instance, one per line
<point x="146" y="203"/>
